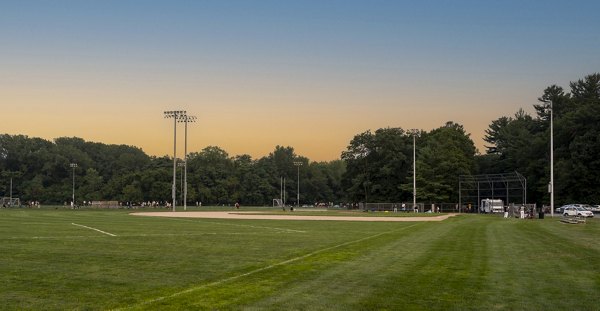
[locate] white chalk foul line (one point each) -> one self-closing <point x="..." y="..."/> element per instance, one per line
<point x="195" y="288"/>
<point x="104" y="232"/>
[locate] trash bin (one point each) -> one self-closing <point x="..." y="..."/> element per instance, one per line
<point x="541" y="215"/>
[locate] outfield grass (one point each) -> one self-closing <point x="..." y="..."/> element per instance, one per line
<point x="49" y="261"/>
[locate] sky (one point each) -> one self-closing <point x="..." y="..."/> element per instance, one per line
<point x="305" y="74"/>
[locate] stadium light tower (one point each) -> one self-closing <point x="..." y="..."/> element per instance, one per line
<point x="176" y="114"/>
<point x="551" y="186"/>
<point x="185" y="119"/>
<point x="298" y="164"/>
<point x="73" y="166"/>
<point x="414" y="133"/>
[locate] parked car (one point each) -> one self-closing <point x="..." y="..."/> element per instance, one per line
<point x="560" y="210"/>
<point x="594" y="208"/>
<point x="577" y="211"/>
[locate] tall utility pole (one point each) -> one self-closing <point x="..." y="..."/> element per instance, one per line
<point x="551" y="186"/>
<point x="414" y="132"/>
<point x="73" y="166"/>
<point x="176" y="114"/>
<point x="298" y="164"/>
<point x="185" y="119"/>
<point x="181" y="165"/>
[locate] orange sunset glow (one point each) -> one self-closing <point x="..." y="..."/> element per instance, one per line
<point x="258" y="75"/>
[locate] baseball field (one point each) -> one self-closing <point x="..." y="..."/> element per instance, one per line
<point x="62" y="259"/>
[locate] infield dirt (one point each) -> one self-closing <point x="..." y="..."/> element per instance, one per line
<point x="254" y="215"/>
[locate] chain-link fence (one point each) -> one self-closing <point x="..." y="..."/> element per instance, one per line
<point x="409" y="207"/>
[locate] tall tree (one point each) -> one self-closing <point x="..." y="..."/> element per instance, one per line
<point x="445" y="154"/>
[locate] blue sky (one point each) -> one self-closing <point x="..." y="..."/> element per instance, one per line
<point x="309" y="74"/>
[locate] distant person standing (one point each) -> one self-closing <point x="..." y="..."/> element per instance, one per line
<point x="522" y="213"/>
<point x="237" y="205"/>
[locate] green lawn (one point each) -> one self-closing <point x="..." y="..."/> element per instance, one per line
<point x="49" y="260"/>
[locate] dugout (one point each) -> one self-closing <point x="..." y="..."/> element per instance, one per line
<point x="509" y="187"/>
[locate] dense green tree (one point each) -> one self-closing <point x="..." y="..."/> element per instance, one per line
<point x="522" y="143"/>
<point x="577" y="144"/>
<point x="445" y="154"/>
<point x="357" y="179"/>
<point x="91" y="186"/>
<point x="377" y="165"/>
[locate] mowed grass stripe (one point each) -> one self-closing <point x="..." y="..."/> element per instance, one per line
<point x="455" y="266"/>
<point x="231" y="290"/>
<point x="536" y="268"/>
<point x="445" y="263"/>
<point x="350" y="279"/>
<point x="105" y="272"/>
<point x="468" y="262"/>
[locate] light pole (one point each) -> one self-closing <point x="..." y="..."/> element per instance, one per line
<point x="181" y="165"/>
<point x="298" y="164"/>
<point x="185" y="119"/>
<point x="11" y="201"/>
<point x="283" y="192"/>
<point x="73" y="166"/>
<point x="414" y="133"/>
<point x="176" y="114"/>
<point x="551" y="186"/>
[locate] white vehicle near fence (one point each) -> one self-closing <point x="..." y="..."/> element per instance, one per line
<point x="577" y="211"/>
<point x="491" y="206"/>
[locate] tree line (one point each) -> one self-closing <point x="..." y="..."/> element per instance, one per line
<point x="41" y="171"/>
<point x="375" y="167"/>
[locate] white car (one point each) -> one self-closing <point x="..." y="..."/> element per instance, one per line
<point x="595" y="208"/>
<point x="561" y="209"/>
<point x="576" y="211"/>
